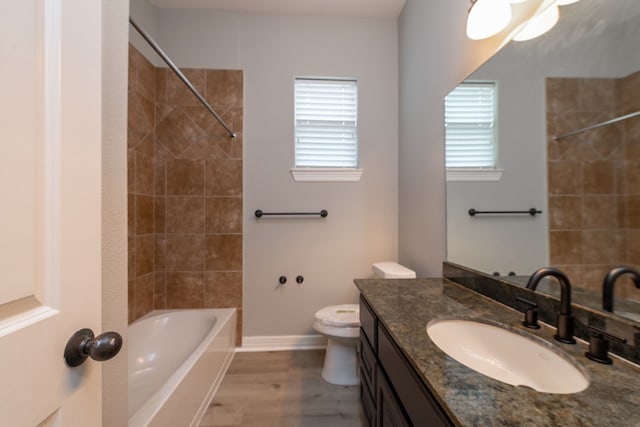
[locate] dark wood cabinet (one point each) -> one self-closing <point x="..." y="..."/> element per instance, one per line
<point x="391" y="393"/>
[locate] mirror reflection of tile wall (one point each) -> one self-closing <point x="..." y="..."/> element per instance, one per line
<point x="184" y="190"/>
<point x="594" y="179"/>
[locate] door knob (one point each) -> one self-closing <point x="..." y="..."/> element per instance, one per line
<point x="84" y="344"/>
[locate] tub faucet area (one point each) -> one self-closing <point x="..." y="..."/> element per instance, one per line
<point x="565" y="319"/>
<point x="610" y="279"/>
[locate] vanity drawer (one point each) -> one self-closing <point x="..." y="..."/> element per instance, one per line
<point x="368" y="322"/>
<point x="367" y="365"/>
<point x="419" y="403"/>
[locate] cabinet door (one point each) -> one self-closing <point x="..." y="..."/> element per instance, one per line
<point x="390" y="413"/>
<point x="417" y="401"/>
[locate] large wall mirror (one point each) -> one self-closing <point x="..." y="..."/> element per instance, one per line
<point x="586" y="70"/>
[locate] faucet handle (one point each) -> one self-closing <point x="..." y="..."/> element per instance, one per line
<point x="599" y="346"/>
<point x="530" y="314"/>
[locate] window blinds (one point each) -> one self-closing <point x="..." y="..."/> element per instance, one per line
<point x="470" y="126"/>
<point x="326" y="119"/>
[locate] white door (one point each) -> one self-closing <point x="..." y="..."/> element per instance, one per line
<point x="50" y="177"/>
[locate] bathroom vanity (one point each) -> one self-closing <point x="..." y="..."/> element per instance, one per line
<point x="407" y="380"/>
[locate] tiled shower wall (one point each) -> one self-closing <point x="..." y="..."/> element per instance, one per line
<point x="185" y="190"/>
<point x="594" y="179"/>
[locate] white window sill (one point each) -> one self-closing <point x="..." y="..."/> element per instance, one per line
<point x="326" y="174"/>
<point x="473" y="175"/>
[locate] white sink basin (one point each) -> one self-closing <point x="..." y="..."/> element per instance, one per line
<point x="508" y="356"/>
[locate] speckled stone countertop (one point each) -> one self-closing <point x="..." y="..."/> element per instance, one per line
<point x="472" y="399"/>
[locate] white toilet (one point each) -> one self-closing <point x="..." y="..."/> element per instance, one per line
<point x="341" y="325"/>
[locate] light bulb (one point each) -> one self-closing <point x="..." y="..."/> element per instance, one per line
<point x="487" y="18"/>
<point x="539" y="24"/>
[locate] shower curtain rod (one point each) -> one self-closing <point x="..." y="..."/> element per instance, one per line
<point x="182" y="77"/>
<point x="597" y="125"/>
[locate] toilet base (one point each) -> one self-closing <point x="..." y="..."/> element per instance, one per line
<point x="340" y="362"/>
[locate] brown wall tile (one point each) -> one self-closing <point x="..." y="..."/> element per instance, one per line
<point x="565" y="177"/>
<point x="224" y="215"/>
<point x="160" y="252"/>
<point x="223" y="289"/>
<point x="143" y="295"/>
<point x="224" y="252"/>
<point x="160" y="214"/>
<point x="185" y="177"/>
<point x="185" y="252"/>
<point x="174" y="137"/>
<point x="144" y="183"/>
<point x="131" y="299"/>
<point x="146" y="78"/>
<point x="593" y="277"/>
<point x="562" y="94"/>
<point x="565" y="212"/>
<point x="224" y="177"/>
<point x="185" y="214"/>
<point x="565" y="247"/>
<point x="131" y="214"/>
<point x="602" y="246"/>
<point x="632" y="248"/>
<point x="598" y="168"/>
<point x="185" y="290"/>
<point x="131" y="171"/>
<point x="239" y="320"/>
<point x="131" y="257"/>
<point x="144" y="215"/>
<point x="177" y="92"/>
<point x="159" y="292"/>
<point x="630" y="90"/>
<point x="177" y="131"/>
<point x="632" y="138"/>
<point x="224" y="87"/>
<point x="144" y="254"/>
<point x="598" y="94"/>
<point x="632" y="213"/>
<point x="600" y="212"/>
<point x="598" y="177"/>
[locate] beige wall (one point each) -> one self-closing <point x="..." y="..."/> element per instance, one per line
<point x="435" y="55"/>
<point x="114" y="206"/>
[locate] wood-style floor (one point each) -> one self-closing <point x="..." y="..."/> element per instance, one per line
<point x="282" y="388"/>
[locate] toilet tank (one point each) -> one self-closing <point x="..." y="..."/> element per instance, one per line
<point x="392" y="270"/>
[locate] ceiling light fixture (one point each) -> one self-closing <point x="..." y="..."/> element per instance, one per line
<point x="487" y="18"/>
<point x="546" y="18"/>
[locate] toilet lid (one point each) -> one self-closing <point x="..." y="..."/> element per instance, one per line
<point x="341" y="316"/>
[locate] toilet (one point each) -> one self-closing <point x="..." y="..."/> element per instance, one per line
<point x="341" y="325"/>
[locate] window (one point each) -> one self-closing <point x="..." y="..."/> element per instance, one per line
<point x="470" y="132"/>
<point x="326" y="129"/>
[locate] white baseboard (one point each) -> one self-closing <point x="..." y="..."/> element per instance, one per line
<point x="283" y="342"/>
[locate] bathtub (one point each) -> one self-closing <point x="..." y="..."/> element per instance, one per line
<point x="177" y="359"/>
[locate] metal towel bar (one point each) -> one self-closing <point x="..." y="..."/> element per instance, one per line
<point x="532" y="212"/>
<point x="259" y="213"/>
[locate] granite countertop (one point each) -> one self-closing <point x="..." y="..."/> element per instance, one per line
<point x="472" y="399"/>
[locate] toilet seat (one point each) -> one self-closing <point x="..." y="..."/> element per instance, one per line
<point x="338" y="320"/>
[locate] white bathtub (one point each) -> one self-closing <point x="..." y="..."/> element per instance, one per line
<point x="177" y="359"/>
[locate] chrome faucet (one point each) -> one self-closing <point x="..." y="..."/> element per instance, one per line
<point x="610" y="279"/>
<point x="565" y="319"/>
